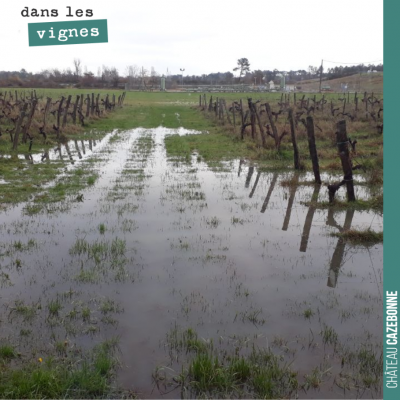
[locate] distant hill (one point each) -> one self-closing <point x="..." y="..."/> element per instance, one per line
<point x="370" y="82"/>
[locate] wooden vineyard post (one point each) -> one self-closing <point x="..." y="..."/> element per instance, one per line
<point x="88" y="105"/>
<point x="46" y="110"/>
<point x="75" y="108"/>
<point x="343" y="148"/>
<point x="255" y="111"/>
<point x="107" y="103"/>
<point x="97" y="104"/>
<point x="81" y="104"/>
<point x="199" y="100"/>
<point x="294" y="140"/>
<point x="18" y="126"/>
<point x="66" y="111"/>
<point x="241" y="112"/>
<point x="234" y="118"/>
<point x="28" y="124"/>
<point x="273" y="126"/>
<point x="92" y="105"/>
<point x="227" y="112"/>
<point x="59" y="116"/>
<point x="313" y="148"/>
<point x="221" y="111"/>
<point x="252" y="119"/>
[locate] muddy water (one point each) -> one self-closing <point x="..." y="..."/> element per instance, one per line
<point x="205" y="248"/>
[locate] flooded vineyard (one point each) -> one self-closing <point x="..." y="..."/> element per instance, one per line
<point x="159" y="246"/>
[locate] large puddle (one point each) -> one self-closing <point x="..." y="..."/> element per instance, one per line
<point x="230" y="252"/>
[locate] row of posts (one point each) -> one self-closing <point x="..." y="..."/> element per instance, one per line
<point x="342" y="140"/>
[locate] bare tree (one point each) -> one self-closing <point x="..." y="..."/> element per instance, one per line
<point x="114" y="76"/>
<point x="77" y="65"/>
<point x="153" y="76"/>
<point x="132" y="72"/>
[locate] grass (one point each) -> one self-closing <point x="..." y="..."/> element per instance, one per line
<point x="7" y="352"/>
<point x="208" y="370"/>
<point x="214" y="374"/>
<point x="373" y="203"/>
<point x="215" y="143"/>
<point x="366" y="236"/>
<point x="102" y="229"/>
<point x="89" y="376"/>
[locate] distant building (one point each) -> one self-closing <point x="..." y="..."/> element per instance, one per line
<point x="290" y="88"/>
<point x="271" y="85"/>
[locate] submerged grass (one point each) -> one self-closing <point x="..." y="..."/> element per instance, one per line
<point x="216" y="374"/>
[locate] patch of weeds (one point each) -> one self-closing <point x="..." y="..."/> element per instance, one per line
<point x="366" y="365"/>
<point x="329" y="335"/>
<point x="374" y="203"/>
<point x="28" y="312"/>
<point x="86" y="313"/>
<point x="236" y="221"/>
<point x="186" y="340"/>
<point x="314" y="379"/>
<point x="7" y="352"/>
<point x="308" y="313"/>
<point x="64" y="377"/>
<point x="212" y="222"/>
<point x="225" y="374"/>
<point x="108" y="306"/>
<point x="54" y="307"/>
<point x="102" y="228"/>
<point x="254" y="316"/>
<point x="91" y="180"/>
<point x="101" y="251"/>
<point x="367" y="236"/>
<point x="87" y="276"/>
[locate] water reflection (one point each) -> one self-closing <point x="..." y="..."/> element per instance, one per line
<point x="73" y="150"/>
<point x="292" y="194"/>
<point x="270" y="190"/>
<point x="309" y="218"/>
<point x="249" y="175"/>
<point x="338" y="254"/>
<point x="255" y="184"/>
<point x="337" y="257"/>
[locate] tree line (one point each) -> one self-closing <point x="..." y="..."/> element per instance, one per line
<point x="111" y="77"/>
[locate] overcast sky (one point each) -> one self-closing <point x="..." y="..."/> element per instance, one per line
<point x="203" y="36"/>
